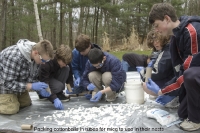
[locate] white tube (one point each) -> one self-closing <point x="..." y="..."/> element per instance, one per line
<point x="26" y="127"/>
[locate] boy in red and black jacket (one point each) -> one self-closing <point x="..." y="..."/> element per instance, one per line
<point x="184" y="49"/>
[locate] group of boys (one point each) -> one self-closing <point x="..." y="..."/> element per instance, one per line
<point x="93" y="68"/>
<point x="34" y="66"/>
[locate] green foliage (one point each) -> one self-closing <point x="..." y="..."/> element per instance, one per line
<point x="115" y="17"/>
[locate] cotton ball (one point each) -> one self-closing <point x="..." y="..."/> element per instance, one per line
<point x="59" y="115"/>
<point x="28" y="118"/>
<point x="54" y="116"/>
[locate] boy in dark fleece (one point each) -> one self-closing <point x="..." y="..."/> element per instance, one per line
<point x="56" y="73"/>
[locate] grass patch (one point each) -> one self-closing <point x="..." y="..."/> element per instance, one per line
<point x="119" y="54"/>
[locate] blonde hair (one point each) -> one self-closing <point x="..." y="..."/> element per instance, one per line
<point x="64" y="53"/>
<point x="44" y="47"/>
<point x="156" y="36"/>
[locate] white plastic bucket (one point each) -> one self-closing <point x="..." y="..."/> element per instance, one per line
<point x="134" y="92"/>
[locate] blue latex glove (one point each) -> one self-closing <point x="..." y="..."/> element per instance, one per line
<point x="151" y="63"/>
<point x="164" y="99"/>
<point x="91" y="87"/>
<point x="76" y="90"/>
<point x="77" y="82"/>
<point x="96" y="97"/>
<point x="152" y="86"/>
<point x="67" y="92"/>
<point x="139" y="68"/>
<point x="58" y="104"/>
<point x="38" y="86"/>
<point x="88" y="96"/>
<point x="44" y="93"/>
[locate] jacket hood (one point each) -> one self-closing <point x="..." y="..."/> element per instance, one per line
<point x="25" y="47"/>
<point x="184" y="21"/>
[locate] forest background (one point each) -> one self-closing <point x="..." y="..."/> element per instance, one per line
<point x="116" y="25"/>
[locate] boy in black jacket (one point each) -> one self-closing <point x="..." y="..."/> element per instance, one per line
<point x="56" y="73"/>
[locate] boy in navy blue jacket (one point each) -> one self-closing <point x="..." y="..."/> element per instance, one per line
<point x="103" y="69"/>
<point x="80" y="58"/>
<point x="185" y="55"/>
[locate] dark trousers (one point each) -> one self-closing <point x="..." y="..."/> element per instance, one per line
<point x="57" y="83"/>
<point x="190" y="104"/>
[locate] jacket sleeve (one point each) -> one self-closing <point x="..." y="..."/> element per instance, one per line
<point x="70" y="77"/>
<point x="192" y="61"/>
<point x="44" y="76"/>
<point x="44" y="73"/>
<point x="164" y="66"/>
<point x="190" y="48"/>
<point x="85" y="80"/>
<point x="75" y="64"/>
<point x="118" y="75"/>
<point x="192" y="54"/>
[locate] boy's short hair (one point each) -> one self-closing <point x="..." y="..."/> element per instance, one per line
<point x="82" y="42"/>
<point x="95" y="56"/>
<point x="44" y="47"/>
<point x="64" y="53"/>
<point x="156" y="36"/>
<point x="158" y="12"/>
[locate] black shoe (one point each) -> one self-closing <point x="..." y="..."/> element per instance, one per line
<point x="62" y="97"/>
<point x="42" y="98"/>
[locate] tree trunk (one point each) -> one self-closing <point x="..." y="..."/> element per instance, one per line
<point x="105" y="22"/>
<point x="144" y="32"/>
<point x="61" y="24"/>
<point x="100" y="24"/>
<point x="93" y="26"/>
<point x="186" y="7"/>
<point x="37" y="20"/>
<point x="86" y="20"/>
<point x="3" y="22"/>
<point x="13" y="24"/>
<point x="80" y="25"/>
<point x="54" y="26"/>
<point x="138" y="19"/>
<point x="96" y="25"/>
<point x="70" y="28"/>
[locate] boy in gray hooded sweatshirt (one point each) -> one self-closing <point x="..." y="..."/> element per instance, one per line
<point x="17" y="73"/>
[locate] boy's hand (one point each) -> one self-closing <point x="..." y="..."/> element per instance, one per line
<point x="139" y="68"/>
<point x="58" y="104"/>
<point x="151" y="63"/>
<point x="38" y="86"/>
<point x="44" y="93"/>
<point x="96" y="97"/>
<point x="77" y="82"/>
<point x="164" y="99"/>
<point x="91" y="87"/>
<point x="88" y="96"/>
<point x="152" y="86"/>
